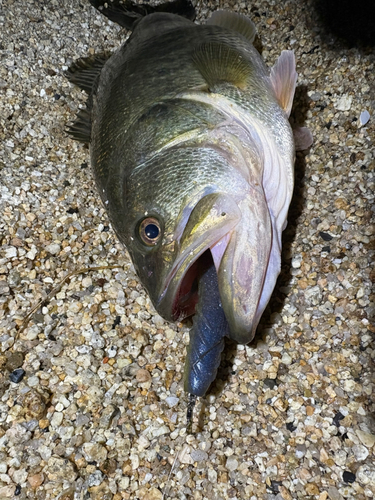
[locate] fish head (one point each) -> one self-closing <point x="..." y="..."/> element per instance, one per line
<point x="171" y="220"/>
<point x="174" y="217"/>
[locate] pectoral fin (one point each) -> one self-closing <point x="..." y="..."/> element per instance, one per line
<point x="284" y="79"/>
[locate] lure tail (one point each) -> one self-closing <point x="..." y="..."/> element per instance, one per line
<point x="206" y="336"/>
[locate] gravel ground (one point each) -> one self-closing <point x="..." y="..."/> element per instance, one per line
<point x="100" y="411"/>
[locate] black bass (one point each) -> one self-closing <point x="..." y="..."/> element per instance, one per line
<point x="193" y="155"/>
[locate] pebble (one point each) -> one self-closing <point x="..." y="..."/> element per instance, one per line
<point x="35" y="480"/>
<point x="59" y="469"/>
<point x="198" y="455"/>
<point x="231" y="464"/>
<point x="344" y="103"/>
<point x="334" y="493"/>
<point x="366" y="474"/>
<point x="94" y="452"/>
<point x="364" y="117"/>
<point x="360" y="452"/>
<point x="348" y="477"/>
<point x="17" y="375"/>
<point x="366" y="438"/>
<point x="172" y="401"/>
<point x="53" y="248"/>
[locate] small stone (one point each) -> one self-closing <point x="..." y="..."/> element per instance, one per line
<point x="323" y="455"/>
<point x="143" y="376"/>
<point x="43" y="423"/>
<point x="36" y="480"/>
<point x="325" y="236"/>
<point x="332" y="370"/>
<point x="310" y="410"/>
<point x="184" y="455"/>
<point x="15" y="360"/>
<point x="348" y="477"/>
<point x="232" y="464"/>
<point x="212" y="475"/>
<point x="366" y="438"/>
<point x="366" y="475"/>
<point x="199" y="455"/>
<point x="8" y="491"/>
<point x="10" y="252"/>
<point x="296" y="261"/>
<point x="172" y="401"/>
<point x="33" y="404"/>
<point x="286" y="359"/>
<point x="53" y="248"/>
<point x="311" y="489"/>
<point x="57" y="419"/>
<point x="344" y="103"/>
<point x="17" y="375"/>
<point x="60" y="469"/>
<point x="334" y="493"/>
<point x="154" y="494"/>
<point x="95" y="479"/>
<point x="94" y="452"/>
<point x="364" y="117"/>
<point x="143" y="443"/>
<point x="360" y="452"/>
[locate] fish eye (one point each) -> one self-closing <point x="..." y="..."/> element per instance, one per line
<point x="150" y="231"/>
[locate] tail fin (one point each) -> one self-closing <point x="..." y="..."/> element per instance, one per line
<point x="127" y="13"/>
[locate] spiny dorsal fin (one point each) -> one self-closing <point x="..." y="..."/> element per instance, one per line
<point x="80" y="130"/>
<point x="219" y="63"/>
<point x="234" y="22"/>
<point x="127" y="13"/>
<point x="284" y="79"/>
<point x="86" y="70"/>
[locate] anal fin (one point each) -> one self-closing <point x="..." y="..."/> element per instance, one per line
<point x="233" y="21"/>
<point x="219" y="63"/>
<point x="284" y="79"/>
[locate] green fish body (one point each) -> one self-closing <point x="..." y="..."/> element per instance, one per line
<point x="192" y="151"/>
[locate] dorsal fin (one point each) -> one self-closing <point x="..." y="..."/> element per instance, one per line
<point x="84" y="72"/>
<point x="235" y="22"/>
<point x="127" y="13"/>
<point x="284" y="79"/>
<point x="219" y="63"/>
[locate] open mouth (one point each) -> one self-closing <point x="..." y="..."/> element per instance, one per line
<point x="204" y="239"/>
<point x="187" y="293"/>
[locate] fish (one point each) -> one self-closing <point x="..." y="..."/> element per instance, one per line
<point x="193" y="157"/>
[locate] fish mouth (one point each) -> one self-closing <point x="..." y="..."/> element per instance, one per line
<point x="239" y="236"/>
<point x="208" y="228"/>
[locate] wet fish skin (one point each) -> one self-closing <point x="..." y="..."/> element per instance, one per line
<point x="189" y="134"/>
